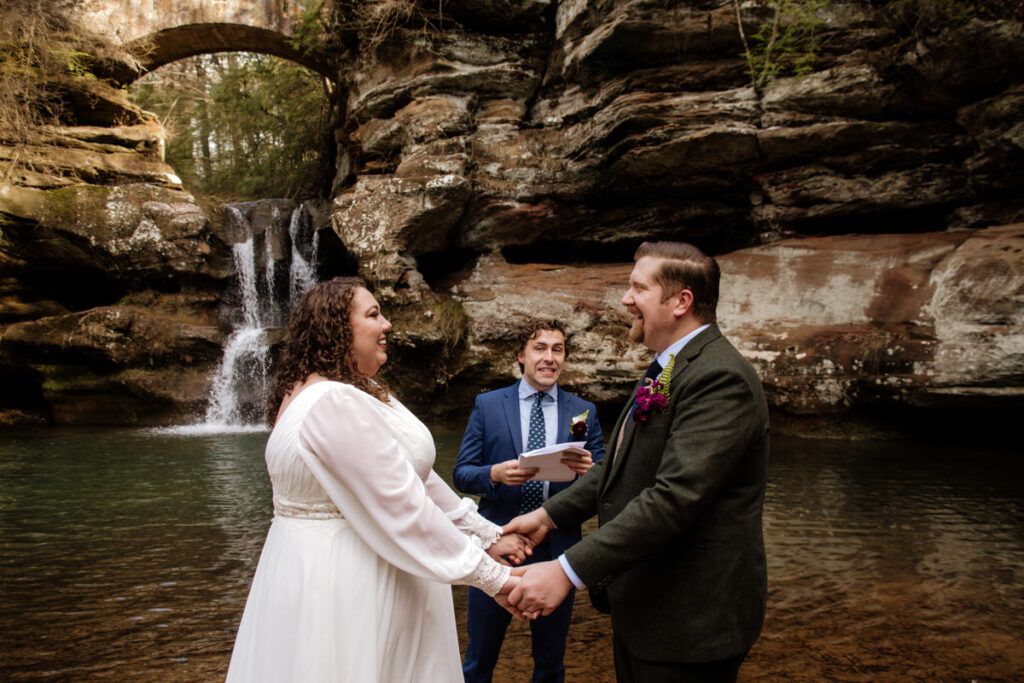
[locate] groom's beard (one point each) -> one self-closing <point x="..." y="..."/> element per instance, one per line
<point x="636" y="333"/>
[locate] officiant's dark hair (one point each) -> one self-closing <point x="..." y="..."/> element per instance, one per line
<point x="534" y="326"/>
<point x="684" y="266"/>
<point x="319" y="341"/>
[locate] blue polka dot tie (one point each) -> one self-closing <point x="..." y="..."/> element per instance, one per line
<point x="532" y="494"/>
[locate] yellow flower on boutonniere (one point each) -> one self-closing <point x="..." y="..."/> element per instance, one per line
<point x="578" y="426"/>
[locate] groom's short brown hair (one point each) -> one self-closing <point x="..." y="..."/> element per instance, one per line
<point x="532" y="327"/>
<point x="684" y="266"/>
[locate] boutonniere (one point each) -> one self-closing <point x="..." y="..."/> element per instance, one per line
<point x="653" y="395"/>
<point x="578" y="426"/>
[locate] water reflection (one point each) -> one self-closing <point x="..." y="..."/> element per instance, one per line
<point x="129" y="554"/>
<point x="893" y="562"/>
<point x="126" y="552"/>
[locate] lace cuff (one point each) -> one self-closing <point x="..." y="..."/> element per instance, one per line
<point x="472" y="523"/>
<point x="489" y="576"/>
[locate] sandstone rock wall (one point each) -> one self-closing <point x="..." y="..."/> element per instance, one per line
<point x="489" y="164"/>
<point x="111" y="273"/>
<point x="501" y="159"/>
<point x="832" y="324"/>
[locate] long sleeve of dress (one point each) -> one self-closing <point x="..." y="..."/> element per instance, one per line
<point x="352" y="451"/>
<point x="462" y="512"/>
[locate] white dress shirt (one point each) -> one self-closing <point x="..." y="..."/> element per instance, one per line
<point x="549" y="405"/>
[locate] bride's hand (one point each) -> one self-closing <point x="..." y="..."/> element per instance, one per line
<point x="510" y="549"/>
<point x="502" y="597"/>
<point x="514" y="577"/>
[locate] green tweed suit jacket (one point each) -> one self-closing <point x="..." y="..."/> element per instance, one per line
<point x="679" y="553"/>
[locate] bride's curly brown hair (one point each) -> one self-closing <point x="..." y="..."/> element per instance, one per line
<point x="320" y="341"/>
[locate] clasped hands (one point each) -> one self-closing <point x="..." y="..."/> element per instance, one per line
<point x="536" y="589"/>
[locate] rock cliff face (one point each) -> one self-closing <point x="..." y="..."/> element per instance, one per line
<point x="110" y="273"/>
<point x="490" y="167"/>
<point x="504" y="159"/>
<point x="832" y="324"/>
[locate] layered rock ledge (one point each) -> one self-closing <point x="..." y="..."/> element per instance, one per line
<point x="504" y="159"/>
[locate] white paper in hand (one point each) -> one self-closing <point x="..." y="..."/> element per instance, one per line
<point x="549" y="461"/>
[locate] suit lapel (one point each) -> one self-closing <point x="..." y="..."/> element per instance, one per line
<point x="625" y="426"/>
<point x="620" y="424"/>
<point x="511" y="411"/>
<point x="689" y="352"/>
<point x="564" y="410"/>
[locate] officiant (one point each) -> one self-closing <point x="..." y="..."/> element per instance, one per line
<point x="532" y="413"/>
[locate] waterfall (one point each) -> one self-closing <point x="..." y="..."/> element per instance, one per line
<point x="246" y="359"/>
<point x="241" y="383"/>
<point x="245" y="266"/>
<point x="302" y="276"/>
<point x="243" y="368"/>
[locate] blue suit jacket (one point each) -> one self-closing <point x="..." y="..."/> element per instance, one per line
<point x="494" y="434"/>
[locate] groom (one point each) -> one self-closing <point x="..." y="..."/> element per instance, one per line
<point x="679" y="555"/>
<point x="529" y="414"/>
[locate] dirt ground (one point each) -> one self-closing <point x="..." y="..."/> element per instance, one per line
<point x="900" y="630"/>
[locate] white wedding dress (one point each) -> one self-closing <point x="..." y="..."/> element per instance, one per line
<point x="350" y="585"/>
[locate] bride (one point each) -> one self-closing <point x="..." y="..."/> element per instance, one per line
<point x="350" y="583"/>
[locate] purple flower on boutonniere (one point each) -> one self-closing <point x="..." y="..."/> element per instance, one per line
<point x="653" y="395"/>
<point x="578" y="426"/>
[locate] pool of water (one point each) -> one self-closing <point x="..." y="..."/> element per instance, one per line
<point x="128" y="555"/>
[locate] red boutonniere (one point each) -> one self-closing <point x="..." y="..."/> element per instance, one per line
<point x="653" y="395"/>
<point x="578" y="426"/>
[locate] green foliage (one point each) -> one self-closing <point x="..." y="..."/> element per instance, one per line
<point x="921" y="17"/>
<point x="241" y="126"/>
<point x="313" y="28"/>
<point x="452" y="322"/>
<point x="43" y="53"/>
<point x="77" y="64"/>
<point x="788" y="43"/>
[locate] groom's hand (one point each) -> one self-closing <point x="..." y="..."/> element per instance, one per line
<point x="534" y="525"/>
<point x="543" y="587"/>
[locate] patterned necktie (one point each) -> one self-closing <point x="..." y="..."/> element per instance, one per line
<point x="532" y="494"/>
<point x="652" y="373"/>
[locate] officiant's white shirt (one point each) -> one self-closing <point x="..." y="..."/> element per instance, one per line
<point x="549" y="406"/>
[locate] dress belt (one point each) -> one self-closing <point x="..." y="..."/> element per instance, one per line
<point x="315" y="511"/>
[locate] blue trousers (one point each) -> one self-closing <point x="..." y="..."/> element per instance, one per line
<point x="488" y="622"/>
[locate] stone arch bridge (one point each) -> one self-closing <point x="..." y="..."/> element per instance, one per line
<point x="158" y="32"/>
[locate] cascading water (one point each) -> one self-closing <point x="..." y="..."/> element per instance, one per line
<point x="245" y="358"/>
<point x="245" y="362"/>
<point x="302" y="275"/>
<point x="240" y="386"/>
